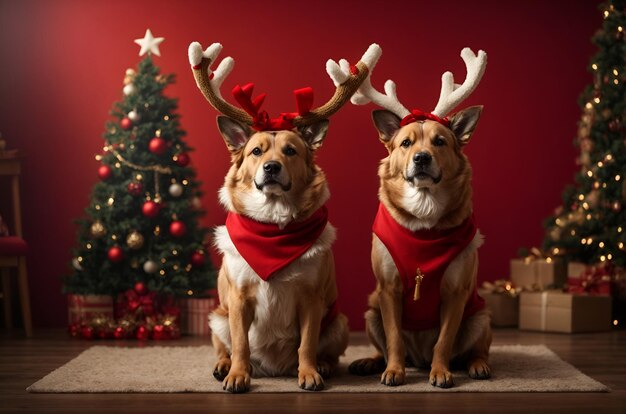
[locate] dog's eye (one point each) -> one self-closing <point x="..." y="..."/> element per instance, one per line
<point x="439" y="142"/>
<point x="406" y="143"/>
<point x="257" y="151"/>
<point x="289" y="151"/>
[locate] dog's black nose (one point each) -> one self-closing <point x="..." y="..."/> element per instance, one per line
<point x="272" y="167"/>
<point x="422" y="159"/>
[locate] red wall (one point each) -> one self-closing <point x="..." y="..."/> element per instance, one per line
<point x="63" y="63"/>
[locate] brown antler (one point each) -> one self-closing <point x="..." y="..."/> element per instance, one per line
<point x="347" y="80"/>
<point x="210" y="82"/>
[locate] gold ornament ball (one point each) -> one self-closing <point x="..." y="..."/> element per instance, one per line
<point x="98" y="230"/>
<point x="134" y="240"/>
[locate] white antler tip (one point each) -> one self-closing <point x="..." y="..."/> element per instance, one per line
<point x="195" y="53"/>
<point x="371" y="56"/>
<point x="212" y="51"/>
<point x="337" y="75"/>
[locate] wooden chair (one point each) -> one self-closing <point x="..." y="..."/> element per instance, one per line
<point x="13" y="248"/>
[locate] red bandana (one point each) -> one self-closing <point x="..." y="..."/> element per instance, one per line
<point x="417" y="115"/>
<point x="431" y="251"/>
<point x="268" y="248"/>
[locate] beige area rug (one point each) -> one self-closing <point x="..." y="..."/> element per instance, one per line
<point x="515" y="368"/>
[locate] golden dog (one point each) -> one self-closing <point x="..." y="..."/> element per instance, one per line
<point x="277" y="289"/>
<point x="424" y="249"/>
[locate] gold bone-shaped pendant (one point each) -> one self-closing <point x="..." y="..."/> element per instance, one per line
<point x="418" y="281"/>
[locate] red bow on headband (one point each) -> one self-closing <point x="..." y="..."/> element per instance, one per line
<point x="261" y="119"/>
<point x="417" y="115"/>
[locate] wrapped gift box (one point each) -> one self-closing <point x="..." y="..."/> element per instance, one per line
<point x="576" y="269"/>
<point x="504" y="308"/>
<point x="556" y="311"/>
<point x="194" y="316"/>
<point x="84" y="307"/>
<point x="538" y="272"/>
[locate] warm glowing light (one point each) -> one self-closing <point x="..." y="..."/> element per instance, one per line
<point x="174" y="252"/>
<point x="88" y="246"/>
<point x="615" y="72"/>
<point x="615" y="322"/>
<point x="600" y="164"/>
<point x="617" y="177"/>
<point x="609" y="256"/>
<point x="80" y="259"/>
<point x="606" y="14"/>
<point x="97" y="207"/>
<point x="573" y="232"/>
<point x="596" y="100"/>
<point x="603" y="258"/>
<point x="608" y="157"/>
<point x="162" y="272"/>
<point x="98" y="157"/>
<point x="118" y="165"/>
<point x="615" y="81"/>
<point x="113" y="237"/>
<point x="590" y="173"/>
<point x="163" y="260"/>
<point x="583" y="241"/>
<point x="110" y="201"/>
<point x="190" y="292"/>
<point x="601" y="244"/>
<point x="185" y="182"/>
<point x="594" y="67"/>
<point x="588" y="216"/>
<point x="620" y="245"/>
<point x="548" y="260"/>
<point x="619" y="229"/>
<point x="139" y="177"/>
<point x="586" y="205"/>
<point x="555" y="250"/>
<point x="620" y="29"/>
<point x="581" y="197"/>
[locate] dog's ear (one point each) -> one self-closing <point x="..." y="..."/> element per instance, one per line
<point x="314" y="134"/>
<point x="234" y="133"/>
<point x="463" y="123"/>
<point x="387" y="123"/>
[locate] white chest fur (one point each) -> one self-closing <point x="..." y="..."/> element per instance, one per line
<point x="274" y="330"/>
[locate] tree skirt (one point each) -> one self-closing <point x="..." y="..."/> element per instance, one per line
<point x="515" y="368"/>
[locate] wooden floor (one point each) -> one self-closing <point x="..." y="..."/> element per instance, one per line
<point x="601" y="356"/>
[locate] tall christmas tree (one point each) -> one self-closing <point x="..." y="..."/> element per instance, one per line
<point x="590" y="226"/>
<point x="142" y="223"/>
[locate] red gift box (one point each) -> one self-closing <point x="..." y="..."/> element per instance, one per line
<point x="194" y="318"/>
<point x="594" y="280"/>
<point x="84" y="307"/>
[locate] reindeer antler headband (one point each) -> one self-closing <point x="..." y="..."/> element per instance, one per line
<point x="451" y="94"/>
<point x="346" y="78"/>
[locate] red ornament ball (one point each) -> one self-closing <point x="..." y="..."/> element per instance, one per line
<point x="135" y="188"/>
<point x="178" y="228"/>
<point x="150" y="209"/>
<point x="74" y="330"/>
<point x="87" y="332"/>
<point x="157" y="146"/>
<point x="197" y="259"/>
<point x="140" y="288"/>
<point x="159" y="332"/>
<point x="126" y="123"/>
<point x="119" y="333"/>
<point x="183" y="159"/>
<point x="115" y="254"/>
<point x="104" y="172"/>
<point x="142" y="333"/>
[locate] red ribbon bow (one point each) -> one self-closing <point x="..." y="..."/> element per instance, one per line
<point x="418" y="115"/>
<point x="261" y="119"/>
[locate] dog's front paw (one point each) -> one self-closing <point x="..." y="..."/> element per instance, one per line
<point x="479" y="369"/>
<point x="393" y="377"/>
<point x="221" y="369"/>
<point x="441" y="377"/>
<point x="237" y="382"/>
<point x="310" y="380"/>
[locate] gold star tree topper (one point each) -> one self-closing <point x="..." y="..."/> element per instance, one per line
<point x="149" y="44"/>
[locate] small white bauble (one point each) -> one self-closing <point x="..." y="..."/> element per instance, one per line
<point x="176" y="190"/>
<point x="129" y="89"/>
<point x="76" y="264"/>
<point x="134" y="116"/>
<point x="150" y="267"/>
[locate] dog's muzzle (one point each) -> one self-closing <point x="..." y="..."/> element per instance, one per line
<point x="422" y="169"/>
<point x="272" y="176"/>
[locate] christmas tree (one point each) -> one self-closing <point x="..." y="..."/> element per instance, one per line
<point x="142" y="225"/>
<point x="590" y="226"/>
